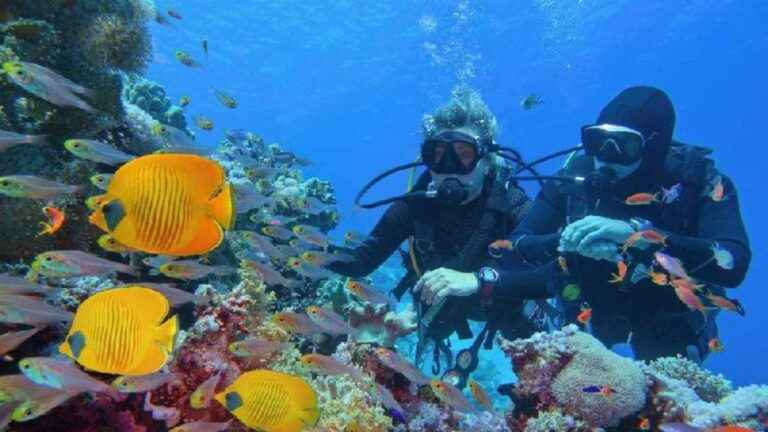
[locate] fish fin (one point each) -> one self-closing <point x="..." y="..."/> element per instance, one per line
<point x="97" y="218"/>
<point x="223" y="207"/>
<point x="114" y="213"/>
<point x="209" y="236"/>
<point x="166" y="333"/>
<point x="37" y="139"/>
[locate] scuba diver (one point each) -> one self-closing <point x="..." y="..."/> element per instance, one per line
<point x="458" y="206"/>
<point x="643" y="238"/>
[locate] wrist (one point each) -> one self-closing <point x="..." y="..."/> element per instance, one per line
<point x="487" y="279"/>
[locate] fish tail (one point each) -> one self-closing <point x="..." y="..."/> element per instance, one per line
<point x="223" y="207"/>
<point x="37" y="139"/>
<point x="166" y="333"/>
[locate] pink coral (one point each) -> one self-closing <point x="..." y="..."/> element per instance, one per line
<point x="375" y="324"/>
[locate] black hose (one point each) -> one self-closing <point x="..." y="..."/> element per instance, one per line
<point x="381" y="176"/>
<point x="549" y="157"/>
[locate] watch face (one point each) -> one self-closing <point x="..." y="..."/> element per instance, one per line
<point x="488" y="274"/>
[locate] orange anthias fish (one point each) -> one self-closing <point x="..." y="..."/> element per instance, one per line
<point x="718" y="190"/>
<point x="480" y="395"/>
<point x="715" y="345"/>
<point x="622" y="272"/>
<point x="56" y="219"/>
<point x="659" y="278"/>
<point x="644" y="423"/>
<point x="688" y="296"/>
<point x="495" y="248"/>
<point x="642" y="198"/>
<point x="170" y="204"/>
<point x="585" y="315"/>
<point x="649" y="236"/>
<point x="732" y="305"/>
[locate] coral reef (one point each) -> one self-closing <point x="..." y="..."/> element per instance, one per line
<point x="150" y="97"/>
<point x="376" y="324"/>
<point x="557" y="368"/>
<point x="708" y="386"/>
<point x="87" y="42"/>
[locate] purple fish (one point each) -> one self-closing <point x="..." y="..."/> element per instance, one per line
<point x="18" y="309"/>
<point x="47" y="84"/>
<point x="672" y="194"/>
<point x="329" y="321"/>
<point x="10" y="139"/>
<point x="269" y="275"/>
<point x="27" y="186"/>
<point x="18" y="285"/>
<point x="63" y="375"/>
<point x="10" y="340"/>
<point x="71" y="263"/>
<point x="678" y="427"/>
<point x="671" y="264"/>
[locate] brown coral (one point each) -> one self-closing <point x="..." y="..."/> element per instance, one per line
<point x="115" y="42"/>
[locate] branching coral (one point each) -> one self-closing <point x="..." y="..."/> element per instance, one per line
<point x="709" y="387"/>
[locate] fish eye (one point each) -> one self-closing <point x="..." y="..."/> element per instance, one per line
<point x="4" y="183"/>
<point x="48" y="259"/>
<point x="25" y="366"/>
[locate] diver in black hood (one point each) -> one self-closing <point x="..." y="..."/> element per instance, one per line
<point x="458" y="206"/>
<point x="642" y="246"/>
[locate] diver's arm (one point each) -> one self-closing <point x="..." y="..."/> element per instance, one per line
<point x="535" y="283"/>
<point x="717" y="222"/>
<point x="392" y="229"/>
<point x="537" y="237"/>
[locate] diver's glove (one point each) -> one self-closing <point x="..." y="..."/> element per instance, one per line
<point x="595" y="237"/>
<point x="437" y="284"/>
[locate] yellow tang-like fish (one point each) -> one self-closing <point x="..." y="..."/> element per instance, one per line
<point x="119" y="331"/>
<point x="170" y="204"/>
<point x="271" y="401"/>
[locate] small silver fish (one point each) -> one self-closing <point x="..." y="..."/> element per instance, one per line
<point x="47" y="84"/>
<point x="97" y="151"/>
<point x="70" y="263"/>
<point x="672" y="194"/>
<point x="63" y="375"/>
<point x="144" y="383"/>
<point x="202" y="426"/>
<point x="10" y="139"/>
<point x="193" y="270"/>
<point x="19" y="285"/>
<point x="10" y="340"/>
<point x="308" y="270"/>
<point x="19" y="309"/>
<point x="314" y="206"/>
<point x="255" y="347"/>
<point x="174" y="295"/>
<point x="269" y="275"/>
<point x="329" y="321"/>
<point x="26" y="186"/>
<point x="722" y="256"/>
<point x="247" y="198"/>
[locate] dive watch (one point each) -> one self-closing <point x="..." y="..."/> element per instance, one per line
<point x="488" y="278"/>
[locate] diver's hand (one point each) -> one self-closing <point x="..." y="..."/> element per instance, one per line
<point x="437" y="284"/>
<point x="579" y="235"/>
<point x="599" y="250"/>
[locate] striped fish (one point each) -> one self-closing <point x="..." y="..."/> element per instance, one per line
<point x="170" y="204"/>
<point x="271" y="401"/>
<point x="121" y="331"/>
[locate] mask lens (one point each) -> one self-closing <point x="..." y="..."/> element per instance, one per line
<point x="614" y="145"/>
<point x="451" y="153"/>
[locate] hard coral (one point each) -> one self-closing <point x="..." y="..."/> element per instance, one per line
<point x="556" y="368"/>
<point x="709" y="387"/>
<point x="376" y="324"/>
<point x="595" y="365"/>
<point x="117" y="41"/>
<point x="553" y="420"/>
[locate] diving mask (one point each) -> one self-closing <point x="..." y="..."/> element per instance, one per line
<point x="452" y="152"/>
<point x="613" y="144"/>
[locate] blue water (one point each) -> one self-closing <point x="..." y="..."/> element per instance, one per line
<point x="345" y="83"/>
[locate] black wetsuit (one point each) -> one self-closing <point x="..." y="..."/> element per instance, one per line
<point x="659" y="323"/>
<point x="458" y="239"/>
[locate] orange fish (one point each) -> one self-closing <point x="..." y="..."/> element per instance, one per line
<point x="688" y="297"/>
<point x="622" y="272"/>
<point x="563" y="264"/>
<point x="659" y="278"/>
<point x="604" y="390"/>
<point x="495" y="249"/>
<point x="169" y="204"/>
<point x="718" y="190"/>
<point x="650" y="236"/>
<point x="644" y="423"/>
<point x="585" y="315"/>
<point x="684" y="283"/>
<point x="642" y="198"/>
<point x="56" y="219"/>
<point x="715" y="345"/>
<point x="732" y="305"/>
